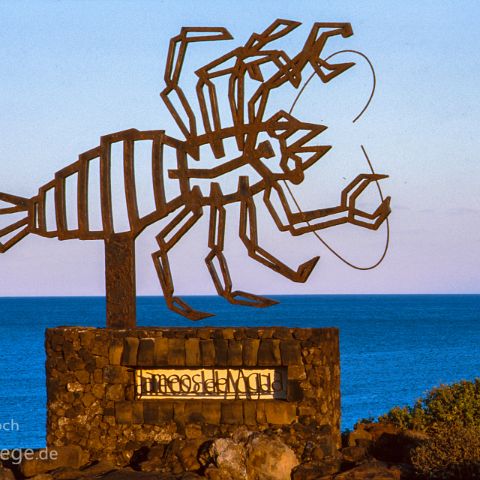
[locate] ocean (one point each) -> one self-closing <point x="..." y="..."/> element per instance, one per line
<point x="394" y="348"/>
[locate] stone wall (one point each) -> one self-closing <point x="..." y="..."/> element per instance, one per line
<point x="92" y="400"/>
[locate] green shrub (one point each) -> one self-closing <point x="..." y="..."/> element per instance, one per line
<point x="364" y="421"/>
<point x="457" y="404"/>
<point x="452" y="451"/>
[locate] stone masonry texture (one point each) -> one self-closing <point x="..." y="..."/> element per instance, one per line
<point x="91" y="392"/>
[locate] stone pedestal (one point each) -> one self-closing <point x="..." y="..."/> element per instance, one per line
<point x="93" y="385"/>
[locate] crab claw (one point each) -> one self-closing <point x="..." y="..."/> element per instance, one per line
<point x="306" y="269"/>
<point x="182" y="308"/>
<point x="250" y="299"/>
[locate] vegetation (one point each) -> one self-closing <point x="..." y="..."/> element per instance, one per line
<point x="457" y="404"/>
<point x="450" y="416"/>
<point x="450" y="452"/>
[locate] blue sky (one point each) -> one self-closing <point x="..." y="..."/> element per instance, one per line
<point x="73" y="71"/>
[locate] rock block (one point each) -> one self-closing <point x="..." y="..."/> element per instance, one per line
<point x="269" y="353"/>
<point x="137" y="412"/>
<point x="193" y="411"/>
<point x="261" y="415"/>
<point x="232" y="412"/>
<point x="130" y="349"/>
<point x="234" y="353"/>
<point x="116" y="374"/>
<point x="296" y="372"/>
<point x="124" y="413"/>
<point x="294" y="391"/>
<point x="161" y="352"/>
<point x="165" y="411"/>
<point x="291" y="353"/>
<point x="250" y="412"/>
<point x="221" y="352"/>
<point x="150" y="412"/>
<point x="146" y="351"/>
<point x="280" y="413"/>
<point x="282" y="333"/>
<point x="192" y="351"/>
<point x="211" y="412"/>
<point x="115" y="392"/>
<point x="207" y="350"/>
<point x="250" y="351"/>
<point x="176" y="352"/>
<point x="115" y="351"/>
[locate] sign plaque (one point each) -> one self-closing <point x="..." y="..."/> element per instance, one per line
<point x="211" y="383"/>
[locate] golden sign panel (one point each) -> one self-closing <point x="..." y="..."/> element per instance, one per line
<point x="211" y="383"/>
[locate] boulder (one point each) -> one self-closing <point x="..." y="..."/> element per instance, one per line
<point x="247" y="457"/>
<point x="148" y="459"/>
<point x="358" y="434"/>
<point x="269" y="459"/>
<point x="44" y="461"/>
<point x="188" y="454"/>
<point x="377" y="429"/>
<point x="228" y="458"/>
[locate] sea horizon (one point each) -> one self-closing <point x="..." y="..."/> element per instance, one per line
<point x="393" y="347"/>
<point x="263" y="294"/>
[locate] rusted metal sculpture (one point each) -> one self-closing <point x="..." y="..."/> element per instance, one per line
<point x="254" y="135"/>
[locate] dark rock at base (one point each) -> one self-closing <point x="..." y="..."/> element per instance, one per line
<point x="6" y="474"/>
<point x="188" y="454"/>
<point x="129" y="474"/>
<point x="377" y="429"/>
<point x="313" y="471"/>
<point x="371" y="471"/>
<point x="94" y="470"/>
<point x="66" y="474"/>
<point x="397" y="448"/>
<point x="70" y="456"/>
<point x="142" y="455"/>
<point x="180" y="456"/>
<point x="376" y="452"/>
<point x="353" y="438"/>
<point x="97" y="469"/>
<point x="354" y="454"/>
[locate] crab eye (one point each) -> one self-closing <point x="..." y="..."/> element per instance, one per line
<point x="280" y="124"/>
<point x="265" y="149"/>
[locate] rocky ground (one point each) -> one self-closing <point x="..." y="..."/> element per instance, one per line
<point x="372" y="451"/>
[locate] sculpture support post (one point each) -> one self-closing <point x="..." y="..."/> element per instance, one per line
<point x="120" y="281"/>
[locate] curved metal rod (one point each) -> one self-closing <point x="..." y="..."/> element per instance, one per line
<point x="364" y="109"/>
<point x="374" y="80"/>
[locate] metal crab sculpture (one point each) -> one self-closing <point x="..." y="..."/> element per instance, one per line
<point x="293" y="138"/>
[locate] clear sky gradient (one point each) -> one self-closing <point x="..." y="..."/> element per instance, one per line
<point x="73" y="71"/>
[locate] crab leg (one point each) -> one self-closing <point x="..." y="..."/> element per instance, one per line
<point x="248" y="235"/>
<point x="185" y="220"/>
<point x="223" y="282"/>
